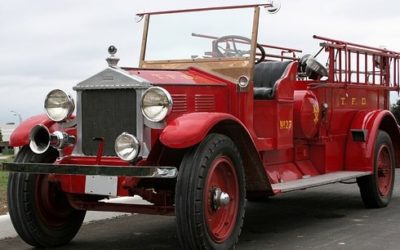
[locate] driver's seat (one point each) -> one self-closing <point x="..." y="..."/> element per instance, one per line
<point x="265" y="76"/>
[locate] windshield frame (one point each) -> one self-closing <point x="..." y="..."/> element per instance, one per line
<point x="196" y="62"/>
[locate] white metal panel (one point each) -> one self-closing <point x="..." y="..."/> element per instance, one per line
<point x="101" y="185"/>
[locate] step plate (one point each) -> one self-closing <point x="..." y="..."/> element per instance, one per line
<point x="315" y="181"/>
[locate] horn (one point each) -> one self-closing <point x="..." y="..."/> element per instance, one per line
<point x="39" y="139"/>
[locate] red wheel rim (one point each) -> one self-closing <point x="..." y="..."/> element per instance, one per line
<point x="52" y="206"/>
<point x="384" y="171"/>
<point x="221" y="221"/>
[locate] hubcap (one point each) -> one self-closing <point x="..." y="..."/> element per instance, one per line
<point x="384" y="171"/>
<point x="221" y="199"/>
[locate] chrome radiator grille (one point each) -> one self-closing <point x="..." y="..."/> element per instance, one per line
<point x="106" y="113"/>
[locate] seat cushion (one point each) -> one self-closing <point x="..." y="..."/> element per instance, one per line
<point x="265" y="76"/>
<point x="263" y="93"/>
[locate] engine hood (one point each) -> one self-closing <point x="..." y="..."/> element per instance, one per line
<point x="188" y="76"/>
<point x="133" y="78"/>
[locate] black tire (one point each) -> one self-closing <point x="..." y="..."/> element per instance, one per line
<point x="376" y="189"/>
<point x="256" y="196"/>
<point x="30" y="198"/>
<point x="215" y="164"/>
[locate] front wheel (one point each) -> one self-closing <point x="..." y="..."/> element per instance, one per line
<point x="210" y="195"/>
<point x="39" y="211"/>
<point x="376" y="189"/>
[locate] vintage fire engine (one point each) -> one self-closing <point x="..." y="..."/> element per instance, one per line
<point x="211" y="117"/>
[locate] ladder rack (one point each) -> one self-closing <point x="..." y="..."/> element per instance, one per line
<point x="352" y="63"/>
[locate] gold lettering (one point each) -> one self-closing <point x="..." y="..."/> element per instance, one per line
<point x="343" y="99"/>
<point x="171" y="76"/>
<point x="282" y="124"/>
<point x="316" y="113"/>
<point x="285" y="124"/>
<point x="157" y="76"/>
<point x="363" y="101"/>
<point x="187" y="77"/>
<point x="354" y="101"/>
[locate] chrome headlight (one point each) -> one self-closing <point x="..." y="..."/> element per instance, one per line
<point x="127" y="147"/>
<point x="59" y="105"/>
<point x="156" y="104"/>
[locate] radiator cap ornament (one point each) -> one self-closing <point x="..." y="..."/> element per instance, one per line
<point x="112" y="60"/>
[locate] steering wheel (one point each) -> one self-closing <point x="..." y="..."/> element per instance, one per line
<point x="226" y="46"/>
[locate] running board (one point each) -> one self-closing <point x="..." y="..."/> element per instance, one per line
<point x="315" y="181"/>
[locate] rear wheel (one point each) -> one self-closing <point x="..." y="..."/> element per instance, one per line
<point x="39" y="211"/>
<point x="210" y="195"/>
<point x="376" y="189"/>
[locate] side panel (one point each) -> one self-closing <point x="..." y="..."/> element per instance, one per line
<point x="273" y="119"/>
<point x="359" y="154"/>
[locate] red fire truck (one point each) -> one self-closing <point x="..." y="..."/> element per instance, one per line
<point x="210" y="118"/>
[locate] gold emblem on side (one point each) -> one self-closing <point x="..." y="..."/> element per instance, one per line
<point x="316" y="113"/>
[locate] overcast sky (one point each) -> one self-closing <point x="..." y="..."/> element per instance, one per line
<point x="49" y="44"/>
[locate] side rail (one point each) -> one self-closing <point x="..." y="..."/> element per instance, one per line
<point x="360" y="64"/>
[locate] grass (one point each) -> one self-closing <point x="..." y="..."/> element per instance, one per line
<point x="3" y="187"/>
<point x="3" y="181"/>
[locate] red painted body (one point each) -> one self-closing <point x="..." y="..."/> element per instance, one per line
<point x="190" y="129"/>
<point x="207" y="127"/>
<point x="185" y="77"/>
<point x="305" y="130"/>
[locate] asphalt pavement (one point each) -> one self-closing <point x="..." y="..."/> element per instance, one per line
<point x="328" y="217"/>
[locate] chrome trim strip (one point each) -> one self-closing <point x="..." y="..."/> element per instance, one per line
<point x="134" y="171"/>
<point x="142" y="134"/>
<point x="78" y="146"/>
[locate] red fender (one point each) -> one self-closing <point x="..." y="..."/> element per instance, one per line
<point x="190" y="129"/>
<point x="20" y="136"/>
<point x="359" y="154"/>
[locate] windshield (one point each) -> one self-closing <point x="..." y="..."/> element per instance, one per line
<point x="217" y="34"/>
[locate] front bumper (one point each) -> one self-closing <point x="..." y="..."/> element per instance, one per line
<point x="72" y="169"/>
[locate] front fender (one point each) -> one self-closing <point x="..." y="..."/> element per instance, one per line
<point x="20" y="136"/>
<point x="360" y="154"/>
<point x="190" y="129"/>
